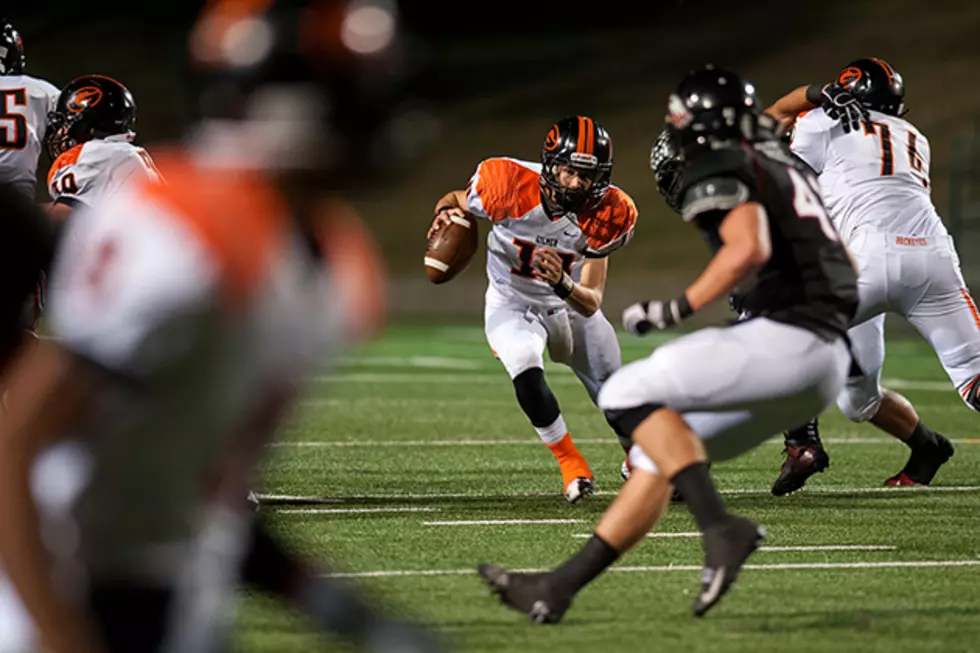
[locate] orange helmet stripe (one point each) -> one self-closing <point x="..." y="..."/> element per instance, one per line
<point x="887" y="67"/>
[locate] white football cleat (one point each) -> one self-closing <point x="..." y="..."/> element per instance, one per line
<point x="624" y="471"/>
<point x="578" y="488"/>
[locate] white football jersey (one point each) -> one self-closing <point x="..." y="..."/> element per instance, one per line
<point x="97" y="169"/>
<point x="876" y="176"/>
<point x="25" y="102"/>
<point x="201" y="293"/>
<point x="508" y="193"/>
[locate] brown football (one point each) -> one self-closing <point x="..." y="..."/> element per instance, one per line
<point x="451" y="249"/>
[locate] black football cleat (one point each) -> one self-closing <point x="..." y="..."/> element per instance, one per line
<point x="532" y="594"/>
<point x="802" y="462"/>
<point x="727" y="545"/>
<point x="923" y="463"/>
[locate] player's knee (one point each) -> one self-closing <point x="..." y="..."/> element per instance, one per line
<point x="535" y="397"/>
<point x="625" y="420"/>
<point x="520" y="358"/>
<point x="859" y="405"/>
<point x="639" y="460"/>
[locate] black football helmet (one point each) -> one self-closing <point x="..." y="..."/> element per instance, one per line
<point x="667" y="167"/>
<point x="712" y="108"/>
<point x="91" y="106"/>
<point x="875" y="84"/>
<point x="583" y="144"/>
<point x="321" y="86"/>
<point x="12" y="60"/>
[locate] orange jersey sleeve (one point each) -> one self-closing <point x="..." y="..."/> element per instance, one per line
<point x="501" y="189"/>
<point x="610" y="225"/>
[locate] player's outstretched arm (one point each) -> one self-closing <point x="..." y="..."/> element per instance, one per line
<point x="801" y="99"/>
<point x="746" y="247"/>
<point x="48" y="391"/>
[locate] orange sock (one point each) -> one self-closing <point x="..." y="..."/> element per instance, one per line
<point x="572" y="462"/>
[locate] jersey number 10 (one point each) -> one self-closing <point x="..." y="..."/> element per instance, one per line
<point x="887" y="156"/>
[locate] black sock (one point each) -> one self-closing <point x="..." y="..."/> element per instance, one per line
<point x="808" y="434"/>
<point x="590" y="561"/>
<point x="702" y="499"/>
<point x="921" y="438"/>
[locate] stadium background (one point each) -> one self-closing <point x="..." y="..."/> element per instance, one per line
<point x="499" y="75"/>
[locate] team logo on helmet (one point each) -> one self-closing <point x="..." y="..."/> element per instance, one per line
<point x="84" y="98"/>
<point x="850" y="75"/>
<point x="553" y="138"/>
<point x="677" y="113"/>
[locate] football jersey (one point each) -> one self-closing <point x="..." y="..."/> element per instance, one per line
<point x="808" y="280"/>
<point x="200" y="296"/>
<point x="876" y="176"/>
<point x="97" y="169"/>
<point x="508" y="193"/>
<point x="25" y="102"/>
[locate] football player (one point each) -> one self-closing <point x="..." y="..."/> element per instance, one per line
<point x="89" y="138"/>
<point x="553" y="226"/>
<point x="25" y="102"/>
<point x="873" y="167"/>
<point x="187" y="315"/>
<point x="718" y="392"/>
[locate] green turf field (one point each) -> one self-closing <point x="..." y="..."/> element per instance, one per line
<point x="422" y="427"/>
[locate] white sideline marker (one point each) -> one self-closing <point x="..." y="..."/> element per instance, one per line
<point x="502" y="522"/>
<point x="914" y="564"/>
<point x="351" y="511"/>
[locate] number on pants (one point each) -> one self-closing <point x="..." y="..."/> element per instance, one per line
<point x="807" y="204"/>
<point x="13" y="137"/>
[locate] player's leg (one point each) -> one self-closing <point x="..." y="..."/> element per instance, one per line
<point x="596" y="357"/>
<point x="743" y="391"/>
<point x="518" y="339"/>
<point x="805" y="456"/>
<point x="864" y="400"/>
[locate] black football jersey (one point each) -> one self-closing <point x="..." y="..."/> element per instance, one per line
<point x="809" y="280"/>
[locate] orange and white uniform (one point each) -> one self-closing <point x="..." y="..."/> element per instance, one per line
<point x="200" y="295"/>
<point x="875" y="184"/>
<point x="523" y="315"/>
<point x="96" y="169"/>
<point x="25" y="102"/>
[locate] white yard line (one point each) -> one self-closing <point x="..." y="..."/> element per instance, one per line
<point x="559" y="376"/>
<point x="502" y="522"/>
<point x="352" y="511"/>
<point x="534" y="442"/>
<point x="914" y="564"/>
<point x="830" y="547"/>
<point x="830" y="491"/>
<point x="584" y="536"/>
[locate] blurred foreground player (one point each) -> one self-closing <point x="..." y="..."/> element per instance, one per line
<point x="554" y="225"/>
<point x="188" y="315"/>
<point x="873" y="167"/>
<point x="718" y="392"/>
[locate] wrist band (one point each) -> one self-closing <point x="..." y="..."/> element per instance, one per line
<point x="814" y="94"/>
<point x="444" y="208"/>
<point x="564" y="286"/>
<point x="682" y="307"/>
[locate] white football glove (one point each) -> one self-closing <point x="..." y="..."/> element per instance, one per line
<point x="643" y="317"/>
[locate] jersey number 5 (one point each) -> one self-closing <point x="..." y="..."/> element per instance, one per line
<point x="807" y="204"/>
<point x="13" y="137"/>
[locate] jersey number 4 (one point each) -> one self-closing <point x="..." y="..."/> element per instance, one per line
<point x="807" y="204"/>
<point x="13" y="137"/>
